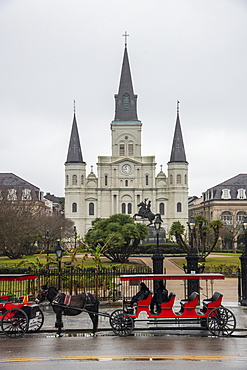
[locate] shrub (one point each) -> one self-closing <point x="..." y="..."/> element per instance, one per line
<point x="227" y="270"/>
<point x="165" y="248"/>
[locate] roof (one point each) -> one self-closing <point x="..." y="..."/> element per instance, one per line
<point x="233" y="184"/>
<point x="178" y="151"/>
<point x="125" y="100"/>
<point x="54" y="199"/>
<point x="10" y="179"/>
<point x="13" y="187"/>
<point x="74" y="150"/>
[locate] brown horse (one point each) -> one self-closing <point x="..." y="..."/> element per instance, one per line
<point x="61" y="305"/>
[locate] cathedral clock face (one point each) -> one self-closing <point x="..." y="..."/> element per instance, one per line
<point x="126" y="168"/>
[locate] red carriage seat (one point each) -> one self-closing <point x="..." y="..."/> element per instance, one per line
<point x="144" y="305"/>
<point x="213" y="302"/>
<point x="169" y="303"/>
<point x="189" y="304"/>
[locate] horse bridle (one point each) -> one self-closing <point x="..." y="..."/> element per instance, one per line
<point x="43" y="294"/>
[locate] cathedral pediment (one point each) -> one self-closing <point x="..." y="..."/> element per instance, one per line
<point x="126" y="159"/>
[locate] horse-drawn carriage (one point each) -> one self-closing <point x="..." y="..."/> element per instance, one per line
<point x="211" y="315"/>
<point x="19" y="317"/>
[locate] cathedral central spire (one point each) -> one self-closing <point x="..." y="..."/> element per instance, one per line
<point x="125" y="100"/>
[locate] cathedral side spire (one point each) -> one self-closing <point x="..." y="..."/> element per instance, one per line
<point x="178" y="151"/>
<point x="125" y="100"/>
<point x="74" y="151"/>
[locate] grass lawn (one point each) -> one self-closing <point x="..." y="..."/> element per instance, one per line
<point x="7" y="262"/>
<point x="227" y="260"/>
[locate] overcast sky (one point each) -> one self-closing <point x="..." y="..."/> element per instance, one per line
<point x="54" y="51"/>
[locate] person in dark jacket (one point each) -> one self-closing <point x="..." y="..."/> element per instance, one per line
<point x="142" y="294"/>
<point x="160" y="296"/>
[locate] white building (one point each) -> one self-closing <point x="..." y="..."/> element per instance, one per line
<point x="125" y="178"/>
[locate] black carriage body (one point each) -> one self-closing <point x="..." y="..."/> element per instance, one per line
<point x="32" y="310"/>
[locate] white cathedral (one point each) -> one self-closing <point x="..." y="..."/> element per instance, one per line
<point x="125" y="178"/>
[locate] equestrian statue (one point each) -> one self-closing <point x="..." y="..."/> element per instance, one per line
<point x="145" y="211"/>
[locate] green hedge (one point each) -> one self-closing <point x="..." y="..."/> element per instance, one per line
<point x="166" y="248"/>
<point x="15" y="270"/>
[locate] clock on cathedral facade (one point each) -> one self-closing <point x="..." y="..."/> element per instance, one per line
<point x="126" y="177"/>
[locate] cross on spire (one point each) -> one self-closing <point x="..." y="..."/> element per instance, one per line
<point x="178" y="102"/>
<point x="178" y="146"/>
<point x="74" y="106"/>
<point x="125" y="35"/>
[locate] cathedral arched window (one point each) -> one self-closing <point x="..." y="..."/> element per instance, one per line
<point x="123" y="208"/>
<point x="162" y="208"/>
<point x="171" y="180"/>
<point x="126" y="102"/>
<point x="67" y="180"/>
<point x="178" y="179"/>
<point x="179" y="207"/>
<point x="129" y="208"/>
<point x="146" y="179"/>
<point x="74" y="180"/>
<point x="91" y="209"/>
<point x="106" y="180"/>
<point x="74" y="207"/>
<point x="121" y="150"/>
<point x="185" y="179"/>
<point x="126" y="183"/>
<point x="130" y="149"/>
<point x="82" y="180"/>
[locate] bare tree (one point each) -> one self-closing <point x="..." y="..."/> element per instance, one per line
<point x="22" y="224"/>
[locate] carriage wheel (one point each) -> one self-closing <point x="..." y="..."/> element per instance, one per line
<point x="14" y="323"/>
<point x="36" y="323"/>
<point x="221" y="322"/>
<point x="122" y="324"/>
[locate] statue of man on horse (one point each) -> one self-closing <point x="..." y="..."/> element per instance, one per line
<point x="145" y="211"/>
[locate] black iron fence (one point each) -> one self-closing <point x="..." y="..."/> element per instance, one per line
<point x="104" y="283"/>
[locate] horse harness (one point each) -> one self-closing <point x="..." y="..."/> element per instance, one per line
<point x="65" y="300"/>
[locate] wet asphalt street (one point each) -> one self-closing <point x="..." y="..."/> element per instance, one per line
<point x="145" y="349"/>
<point x="106" y="351"/>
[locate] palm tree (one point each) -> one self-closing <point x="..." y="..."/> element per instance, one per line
<point x="200" y="234"/>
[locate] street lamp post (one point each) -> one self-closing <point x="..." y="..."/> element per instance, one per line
<point x="59" y="253"/>
<point x="47" y="238"/>
<point x="158" y="258"/>
<point x="75" y="236"/>
<point x="192" y="261"/>
<point x="243" y="260"/>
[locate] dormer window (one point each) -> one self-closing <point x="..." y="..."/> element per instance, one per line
<point x="226" y="194"/>
<point x="26" y="194"/>
<point x="241" y="194"/>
